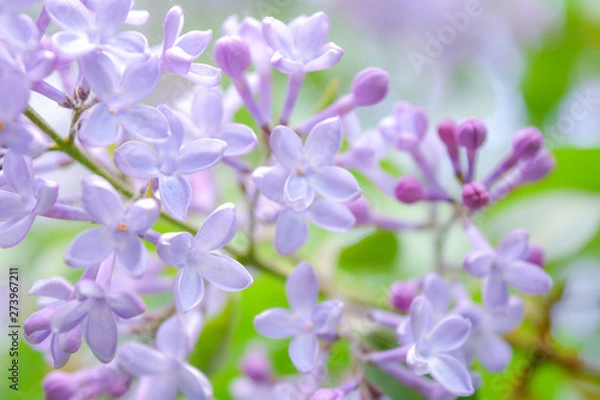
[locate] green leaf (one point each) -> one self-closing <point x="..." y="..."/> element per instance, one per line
<point x="211" y="348"/>
<point x="374" y="254"/>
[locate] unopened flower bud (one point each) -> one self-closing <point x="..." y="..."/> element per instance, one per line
<point x="370" y="86"/>
<point x="360" y="209"/>
<point x="527" y="142"/>
<point x="409" y="190"/>
<point x="232" y="55"/>
<point x="402" y="294"/>
<point x="447" y="132"/>
<point x="471" y="133"/>
<point x="536" y="255"/>
<point x="59" y="385"/>
<point x="257" y="366"/>
<point x="475" y="196"/>
<point x="537" y="167"/>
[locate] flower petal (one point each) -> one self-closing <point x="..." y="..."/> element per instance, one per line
<point x="139" y="359"/>
<point x="172" y="340"/>
<point x="199" y="155"/>
<point x="46" y="193"/>
<point x="276" y="323"/>
<point x="142" y="215"/>
<point x="240" y="139"/>
<point x="111" y="15"/>
<point x="508" y="319"/>
<point x="101" y="332"/>
<point x="303" y="351"/>
<point x="175" y="195"/>
<point x="528" y="278"/>
<point x="218" y="229"/>
<point x="89" y="248"/>
<point x="69" y="14"/>
<point x="330" y="215"/>
<point x="287" y="147"/>
<point x="72" y="45"/>
<point x="336" y="183"/>
<point x="57" y="288"/>
<point x="323" y="142"/>
<point x="126" y="304"/>
<point x="421" y="317"/>
<point x="101" y="74"/>
<point x="298" y="190"/>
<point x="18" y="173"/>
<point x="224" y="272"/>
<point x="495" y="292"/>
<point x="69" y="315"/>
<point x="194" y="384"/>
<point x="14" y="230"/>
<point x="479" y="263"/>
<point x="194" y="43"/>
<point x="138" y="160"/>
<point x="494" y="353"/>
<point x="132" y="254"/>
<point x="173" y="248"/>
<point x="291" y="232"/>
<point x="203" y="74"/>
<point x="326" y="317"/>
<point x="270" y="182"/>
<point x="278" y="36"/>
<point x="437" y="292"/>
<point x="157" y="387"/>
<point x="514" y="246"/>
<point x="101" y="200"/>
<point x="302" y="289"/>
<point x="139" y="80"/>
<point x="189" y="289"/>
<point x="312" y="34"/>
<point x="100" y="128"/>
<point x="69" y="341"/>
<point x="330" y="55"/>
<point x="145" y="123"/>
<point x="451" y="374"/>
<point x="449" y="334"/>
<point x="207" y="111"/>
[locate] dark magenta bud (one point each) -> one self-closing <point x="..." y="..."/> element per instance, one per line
<point x="536" y="255"/>
<point x="402" y="294"/>
<point x="447" y="132"/>
<point x="409" y="190"/>
<point x="527" y="142"/>
<point x="370" y="86"/>
<point x="471" y="133"/>
<point x="475" y="196"/>
<point x="537" y="167"/>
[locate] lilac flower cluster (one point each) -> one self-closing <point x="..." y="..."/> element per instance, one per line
<point x="150" y="168"/>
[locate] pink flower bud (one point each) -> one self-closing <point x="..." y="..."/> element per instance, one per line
<point x="536" y="255"/>
<point x="409" y="190"/>
<point x="402" y="294"/>
<point x="256" y="366"/>
<point x="327" y="394"/>
<point x="527" y="142"/>
<point x="475" y="195"/>
<point x="360" y="209"/>
<point x="537" y="167"/>
<point x="370" y="86"/>
<point x="447" y="132"/>
<point x="59" y="385"/>
<point x="471" y="133"/>
<point x="232" y="55"/>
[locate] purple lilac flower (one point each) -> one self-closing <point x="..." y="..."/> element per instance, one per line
<point x="22" y="199"/>
<point x="97" y="381"/>
<point x="302" y="45"/>
<point x="306" y="323"/>
<point x="169" y="162"/>
<point x="432" y="352"/>
<point x="197" y="258"/>
<point x="406" y="128"/>
<point x="291" y="229"/>
<point x="208" y="116"/>
<point x="310" y="167"/>
<point x="507" y="266"/>
<point x="164" y="368"/>
<point x="97" y="311"/>
<point x="56" y="292"/>
<point x="119" y="233"/>
<point x="487" y="327"/>
<point x="258" y="379"/>
<point x="15" y="28"/>
<point x="119" y="102"/>
<point x="85" y="31"/>
<point x="179" y="52"/>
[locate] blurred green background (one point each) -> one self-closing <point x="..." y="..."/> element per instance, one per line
<point x="519" y="63"/>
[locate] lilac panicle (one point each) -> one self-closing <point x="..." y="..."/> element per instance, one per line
<point x="507" y="266"/>
<point x="169" y="162"/>
<point x="178" y="53"/>
<point x="208" y="117"/>
<point x="22" y="199"/>
<point x="310" y="167"/>
<point x="83" y="32"/>
<point x="97" y="311"/>
<point x="432" y="351"/>
<point x="120" y="231"/>
<point x="198" y="258"/>
<point x="119" y="106"/>
<point x="306" y="322"/>
<point x="165" y="369"/>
